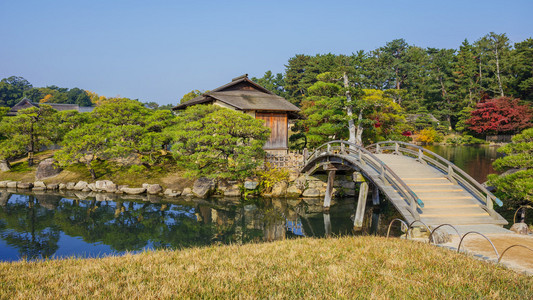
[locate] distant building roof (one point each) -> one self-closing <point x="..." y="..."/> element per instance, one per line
<point x="243" y="94"/>
<point x="26" y="103"/>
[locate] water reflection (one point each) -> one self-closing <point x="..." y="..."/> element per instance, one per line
<point x="475" y="160"/>
<point x="57" y="225"/>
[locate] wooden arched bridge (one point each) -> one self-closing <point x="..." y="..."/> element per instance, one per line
<point x="422" y="185"/>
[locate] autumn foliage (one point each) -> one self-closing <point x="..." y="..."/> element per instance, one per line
<point x="500" y="115"/>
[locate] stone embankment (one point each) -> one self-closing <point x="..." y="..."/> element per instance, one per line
<point x="299" y="187"/>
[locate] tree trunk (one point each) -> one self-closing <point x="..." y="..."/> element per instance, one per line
<point x="498" y="71"/>
<point x="359" y="134"/>
<point x="349" y="112"/>
<point x="5" y="165"/>
<point x="32" y="147"/>
<point x="91" y="170"/>
<point x="445" y="96"/>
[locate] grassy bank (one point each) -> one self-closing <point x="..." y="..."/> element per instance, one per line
<point x="318" y="268"/>
<point x="167" y="173"/>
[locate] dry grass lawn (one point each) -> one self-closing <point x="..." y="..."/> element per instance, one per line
<point x="348" y="267"/>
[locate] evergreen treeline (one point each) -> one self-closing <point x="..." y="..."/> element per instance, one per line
<point x="14" y="88"/>
<point x="444" y="82"/>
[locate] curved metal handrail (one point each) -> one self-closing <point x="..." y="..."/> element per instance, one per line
<point x="454" y="172"/>
<point x="411" y="227"/>
<point x="461" y="241"/>
<point x="516" y="212"/>
<point x="446" y="224"/>
<point x="390" y="224"/>
<point x="517" y="245"/>
<point x="384" y="171"/>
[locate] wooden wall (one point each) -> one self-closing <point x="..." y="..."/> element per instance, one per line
<point x="277" y="122"/>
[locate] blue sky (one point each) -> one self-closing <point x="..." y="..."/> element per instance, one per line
<point x="160" y="50"/>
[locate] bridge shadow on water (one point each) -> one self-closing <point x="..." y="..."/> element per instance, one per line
<point x="56" y="225"/>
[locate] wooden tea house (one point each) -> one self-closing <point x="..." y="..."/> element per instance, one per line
<point x="244" y="95"/>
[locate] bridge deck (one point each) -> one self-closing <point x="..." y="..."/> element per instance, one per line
<point x="444" y="201"/>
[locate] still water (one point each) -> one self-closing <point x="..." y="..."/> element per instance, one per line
<point x="476" y="160"/>
<point x="34" y="226"/>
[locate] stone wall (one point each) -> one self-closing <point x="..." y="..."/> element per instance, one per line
<point x="501" y="138"/>
<point x="292" y="160"/>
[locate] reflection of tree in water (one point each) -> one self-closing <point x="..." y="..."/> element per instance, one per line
<point x="28" y="227"/>
<point x="33" y="224"/>
<point x="133" y="226"/>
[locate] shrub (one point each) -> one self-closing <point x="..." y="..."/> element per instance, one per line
<point x="429" y="136"/>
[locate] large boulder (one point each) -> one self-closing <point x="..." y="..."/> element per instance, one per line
<point x="187" y="192"/>
<point x="39" y="184"/>
<point x="203" y="187"/>
<point x="80" y="186"/>
<point x="52" y="186"/>
<point x="133" y="191"/>
<point x="520" y="228"/>
<point x="279" y="189"/>
<point x="12" y="184"/>
<point x="311" y="193"/>
<point x="171" y="193"/>
<point x="70" y="186"/>
<point x="3" y="184"/>
<point x="105" y="186"/>
<point x="250" y="184"/>
<point x="153" y="189"/>
<point x="293" y="192"/>
<point x="92" y="186"/>
<point x="25" y="185"/>
<point x="233" y="191"/>
<point x="47" y="168"/>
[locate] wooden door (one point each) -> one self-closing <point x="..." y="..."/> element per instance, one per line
<point x="277" y="122"/>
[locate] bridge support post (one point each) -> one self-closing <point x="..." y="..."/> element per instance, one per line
<point x="375" y="195"/>
<point x="329" y="189"/>
<point x="327" y="224"/>
<point x="361" y="205"/>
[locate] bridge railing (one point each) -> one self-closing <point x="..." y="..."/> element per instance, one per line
<point x="365" y="157"/>
<point x="455" y="174"/>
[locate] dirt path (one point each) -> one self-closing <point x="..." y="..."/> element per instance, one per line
<point x="517" y="258"/>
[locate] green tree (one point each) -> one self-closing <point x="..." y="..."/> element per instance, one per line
<point x="441" y="84"/>
<point x="516" y="188"/>
<point x="325" y="113"/>
<point x="466" y="75"/>
<point x="85" y="144"/>
<point x="117" y="128"/>
<point x="191" y="95"/>
<point x="272" y="83"/>
<point x="494" y="64"/>
<point x="217" y="142"/>
<point x="26" y="132"/>
<point x="12" y="90"/>
<point x="522" y="69"/>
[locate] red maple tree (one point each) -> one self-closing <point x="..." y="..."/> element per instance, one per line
<point x="500" y="115"/>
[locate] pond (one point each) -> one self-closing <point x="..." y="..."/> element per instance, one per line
<point x="35" y="226"/>
<point x="476" y="160"/>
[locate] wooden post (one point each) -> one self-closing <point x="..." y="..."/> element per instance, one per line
<point x="375" y="195"/>
<point x="327" y="224"/>
<point x="361" y="204"/>
<point x="450" y="174"/>
<point x="329" y="189"/>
